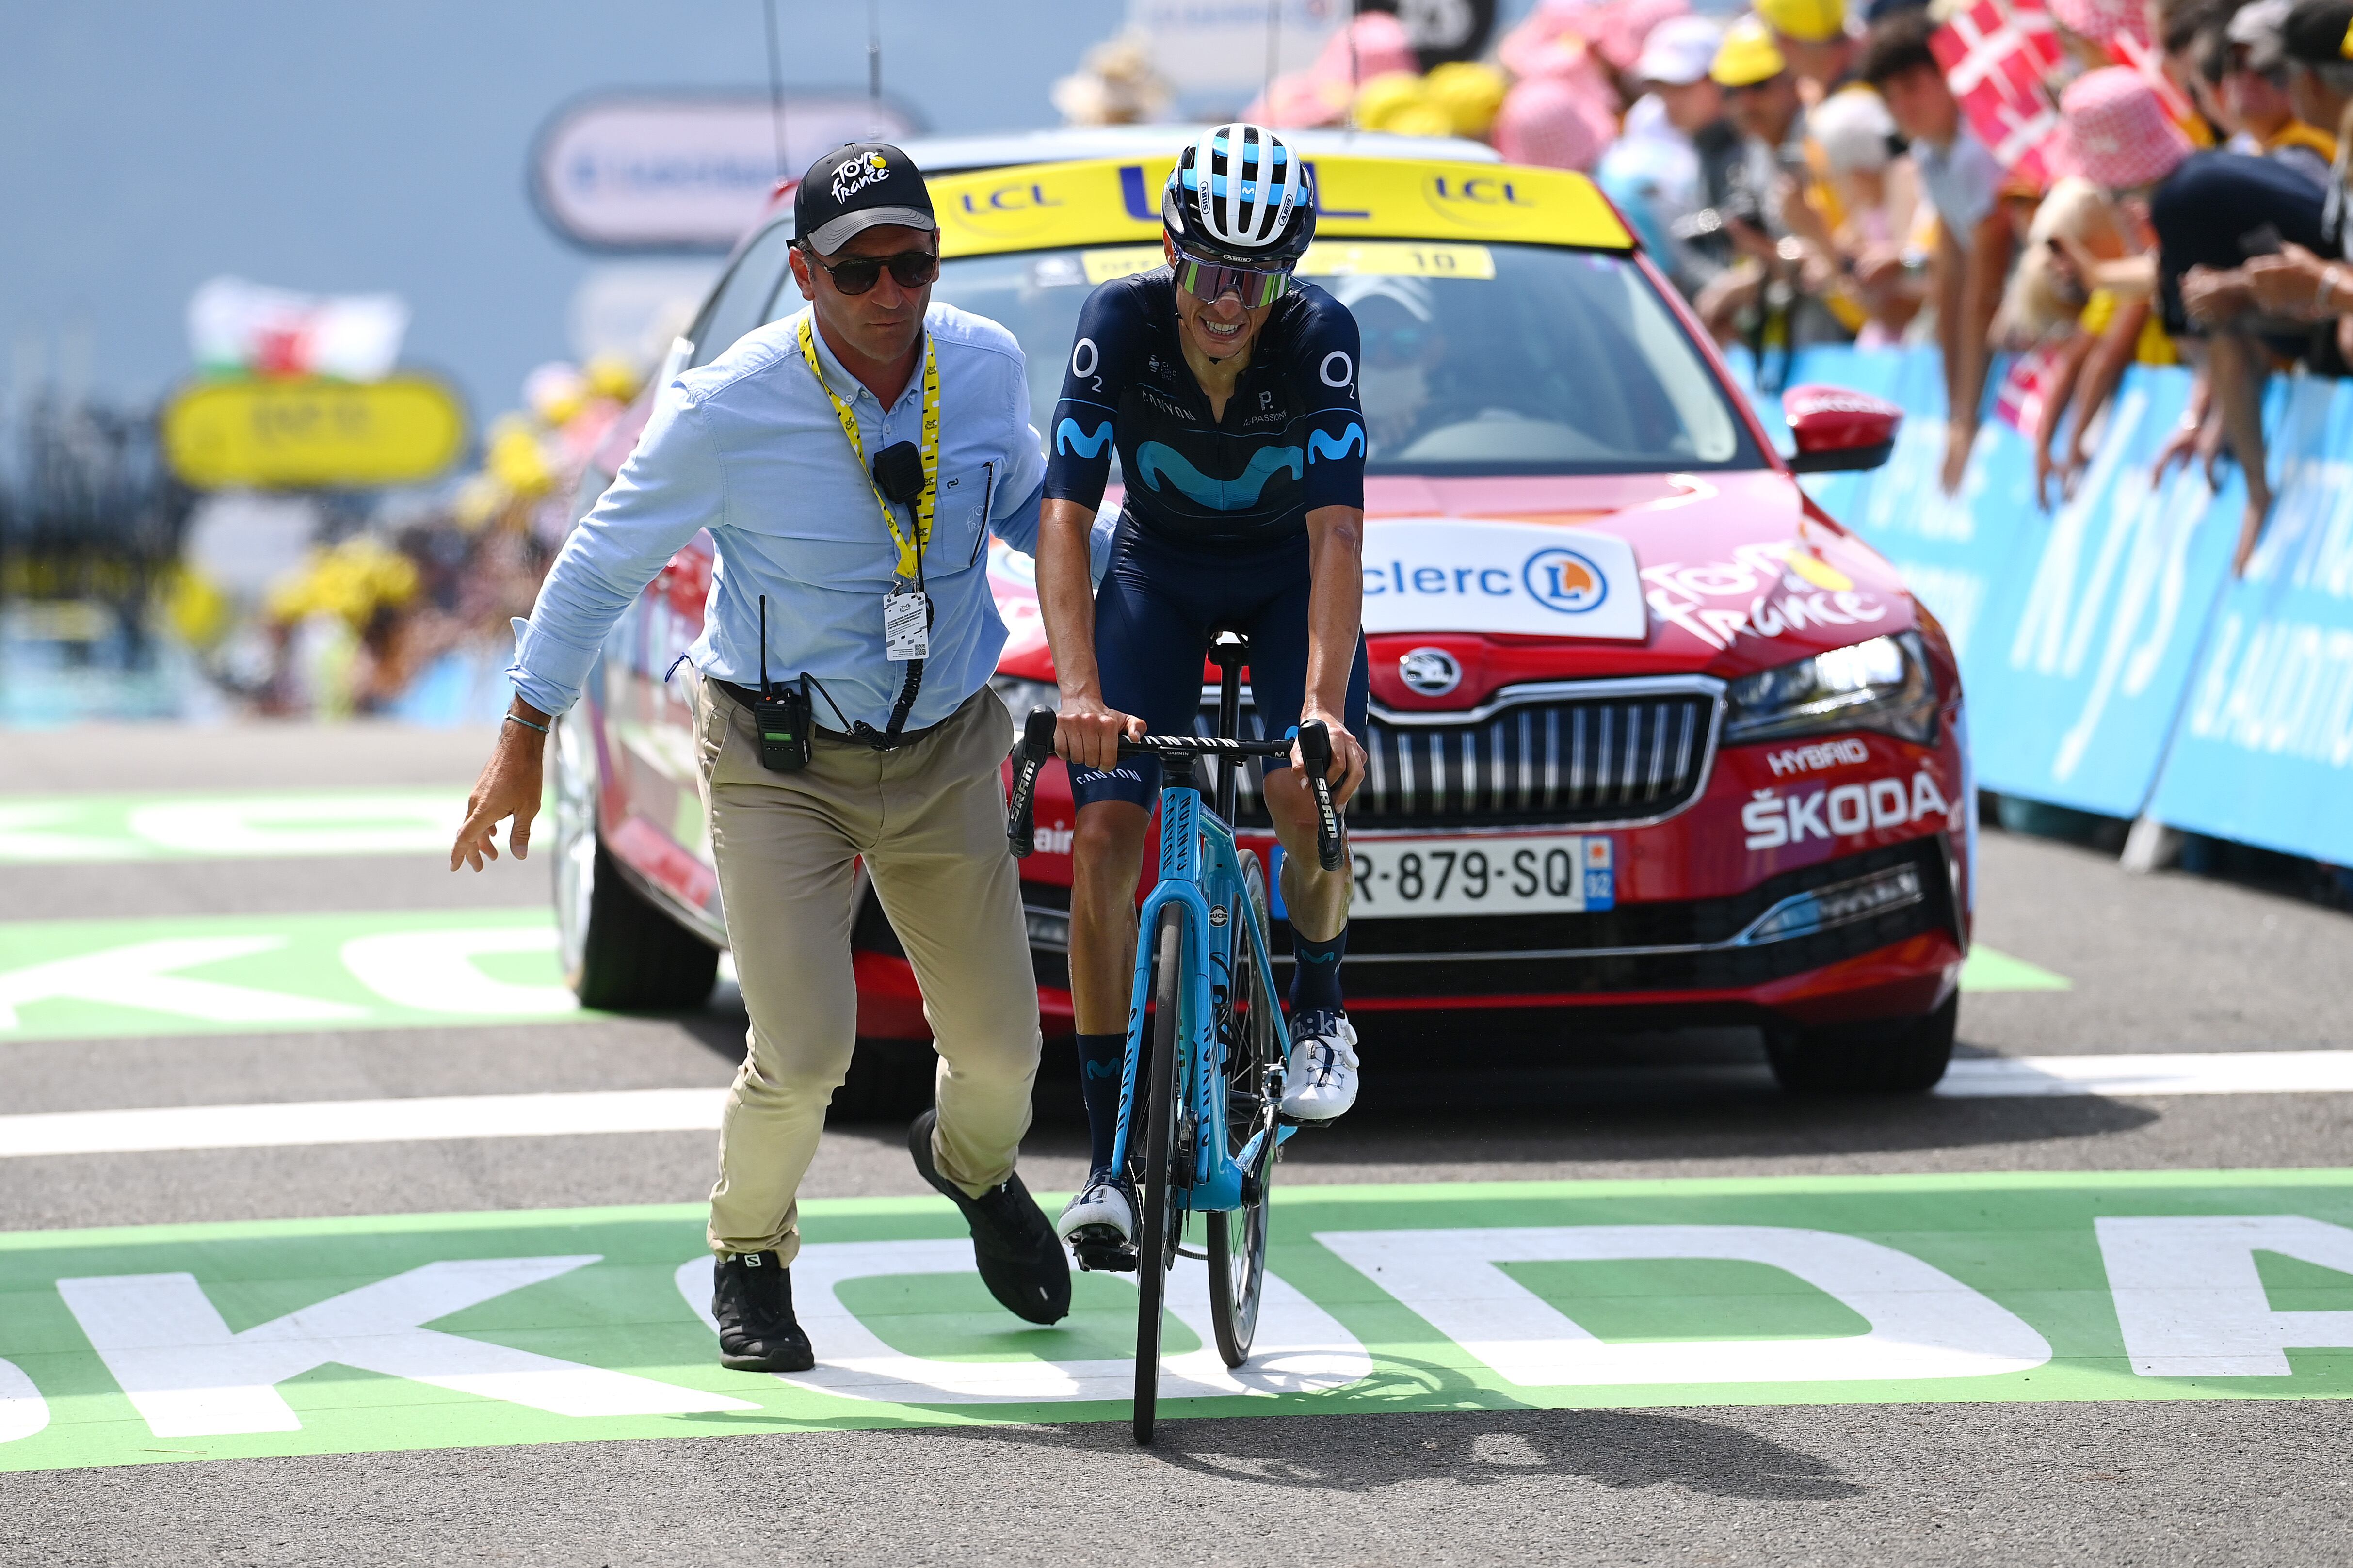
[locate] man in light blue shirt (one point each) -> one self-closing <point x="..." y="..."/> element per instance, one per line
<point x="850" y="462"/>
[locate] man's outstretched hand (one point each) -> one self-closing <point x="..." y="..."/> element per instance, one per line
<point x="509" y="787"/>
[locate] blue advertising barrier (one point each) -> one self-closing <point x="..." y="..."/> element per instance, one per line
<point x="2083" y="654"/>
<point x="2113" y="663"/>
<point x="2262" y="752"/>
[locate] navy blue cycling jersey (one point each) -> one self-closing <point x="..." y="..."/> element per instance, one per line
<point x="1293" y="438"/>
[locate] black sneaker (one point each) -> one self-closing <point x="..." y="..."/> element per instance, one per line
<point x="1019" y="1257"/>
<point x="752" y="1300"/>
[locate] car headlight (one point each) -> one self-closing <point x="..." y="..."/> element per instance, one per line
<point x="1020" y="696"/>
<point x="1883" y="684"/>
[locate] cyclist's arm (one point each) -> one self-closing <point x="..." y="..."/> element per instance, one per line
<point x="1078" y="466"/>
<point x="1335" y="544"/>
<point x="1325" y="378"/>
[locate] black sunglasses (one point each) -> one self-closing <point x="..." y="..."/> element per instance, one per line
<point x="908" y="270"/>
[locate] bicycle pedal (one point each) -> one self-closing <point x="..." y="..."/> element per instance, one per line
<point x="1103" y="1256"/>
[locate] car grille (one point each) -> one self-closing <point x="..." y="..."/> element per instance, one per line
<point x="1548" y="758"/>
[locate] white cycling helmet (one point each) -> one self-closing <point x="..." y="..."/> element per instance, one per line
<point x="1241" y="197"/>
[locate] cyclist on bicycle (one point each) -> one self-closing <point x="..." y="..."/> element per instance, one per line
<point x="1228" y="390"/>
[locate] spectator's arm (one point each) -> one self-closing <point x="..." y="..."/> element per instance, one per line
<point x="1981" y="295"/>
<point x="2103" y="368"/>
<point x="2054" y="409"/>
<point x="2237" y="368"/>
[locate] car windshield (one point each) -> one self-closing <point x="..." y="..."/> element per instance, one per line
<point x="1478" y="359"/>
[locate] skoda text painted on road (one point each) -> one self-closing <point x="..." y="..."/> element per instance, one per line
<point x="454" y="1330"/>
<point x="67" y="829"/>
<point x="244" y="972"/>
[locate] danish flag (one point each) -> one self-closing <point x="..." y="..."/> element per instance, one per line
<point x="1998" y="60"/>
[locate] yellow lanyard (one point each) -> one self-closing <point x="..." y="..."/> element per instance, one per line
<point x="911" y="551"/>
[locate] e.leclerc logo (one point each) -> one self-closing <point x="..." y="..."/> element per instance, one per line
<point x="1565" y="581"/>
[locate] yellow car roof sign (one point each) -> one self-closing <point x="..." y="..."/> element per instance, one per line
<point x="1110" y="201"/>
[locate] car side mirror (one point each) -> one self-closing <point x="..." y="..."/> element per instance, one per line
<point x="1838" y="430"/>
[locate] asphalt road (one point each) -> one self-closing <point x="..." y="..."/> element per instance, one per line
<point x="2161" y="964"/>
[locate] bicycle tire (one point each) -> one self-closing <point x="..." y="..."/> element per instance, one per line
<point x="1253" y="1073"/>
<point x="1154" y="1251"/>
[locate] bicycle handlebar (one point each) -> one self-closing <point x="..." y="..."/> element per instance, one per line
<point x="1037" y="745"/>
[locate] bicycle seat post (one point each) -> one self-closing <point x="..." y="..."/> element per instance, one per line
<point x="1231" y="650"/>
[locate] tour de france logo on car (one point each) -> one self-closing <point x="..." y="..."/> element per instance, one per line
<point x="1566" y="581"/>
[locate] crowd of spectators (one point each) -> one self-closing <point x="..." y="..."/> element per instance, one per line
<point x="1808" y="174"/>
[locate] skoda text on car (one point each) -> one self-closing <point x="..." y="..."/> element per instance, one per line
<point x="1654" y="740"/>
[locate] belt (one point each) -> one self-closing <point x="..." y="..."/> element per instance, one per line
<point x="864" y="735"/>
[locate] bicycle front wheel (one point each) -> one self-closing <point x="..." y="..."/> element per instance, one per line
<point x="1163" y="1219"/>
<point x="1253" y="1079"/>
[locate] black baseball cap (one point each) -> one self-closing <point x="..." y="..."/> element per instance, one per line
<point x="855" y="187"/>
<point x="2315" y="31"/>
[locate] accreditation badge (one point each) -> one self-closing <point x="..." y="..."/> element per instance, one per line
<point x="906" y="624"/>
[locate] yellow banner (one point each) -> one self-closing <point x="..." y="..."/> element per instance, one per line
<point x="308" y="431"/>
<point x="1109" y="202"/>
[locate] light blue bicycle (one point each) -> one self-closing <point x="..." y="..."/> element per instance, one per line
<point x="1218" y="1042"/>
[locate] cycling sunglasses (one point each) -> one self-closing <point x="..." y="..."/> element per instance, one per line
<point x="857" y="274"/>
<point x="1208" y="282"/>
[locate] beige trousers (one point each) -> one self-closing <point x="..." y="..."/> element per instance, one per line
<point x="928" y="821"/>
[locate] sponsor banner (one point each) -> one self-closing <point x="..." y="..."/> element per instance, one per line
<point x="687" y="171"/>
<point x="167" y="1344"/>
<point x="2081" y="658"/>
<point x="2262" y="750"/>
<point x="1449" y="575"/>
<point x="298" y="432"/>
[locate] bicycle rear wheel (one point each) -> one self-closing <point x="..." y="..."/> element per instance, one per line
<point x="1254" y="1076"/>
<point x="1155" y="1236"/>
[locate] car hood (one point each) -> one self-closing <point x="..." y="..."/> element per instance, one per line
<point x="1530" y="578"/>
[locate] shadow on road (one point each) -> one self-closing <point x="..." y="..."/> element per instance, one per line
<point x="1625" y="1450"/>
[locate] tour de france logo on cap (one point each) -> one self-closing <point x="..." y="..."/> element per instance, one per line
<point x="866" y="169"/>
<point x="1564" y="580"/>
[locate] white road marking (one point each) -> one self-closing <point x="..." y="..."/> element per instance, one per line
<point x="2151" y="1073"/>
<point x="697" y="1109"/>
<point x="360" y="1121"/>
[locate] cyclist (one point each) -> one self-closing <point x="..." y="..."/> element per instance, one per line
<point x="1229" y="391"/>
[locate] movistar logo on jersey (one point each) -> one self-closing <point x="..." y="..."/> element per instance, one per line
<point x="1157" y="462"/>
<point x="1069" y="438"/>
<point x="1319" y="444"/>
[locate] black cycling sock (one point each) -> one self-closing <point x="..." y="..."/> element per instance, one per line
<point x="1103" y="1058"/>
<point x="1315" y="972"/>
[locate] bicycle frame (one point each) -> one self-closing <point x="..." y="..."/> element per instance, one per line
<point x="1200" y="871"/>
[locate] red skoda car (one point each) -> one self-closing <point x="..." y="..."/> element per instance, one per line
<point x="1654" y="740"/>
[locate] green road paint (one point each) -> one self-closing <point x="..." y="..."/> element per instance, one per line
<point x="63" y="829"/>
<point x="245" y="973"/>
<point x="160" y="1343"/>
<point x="1987" y="970"/>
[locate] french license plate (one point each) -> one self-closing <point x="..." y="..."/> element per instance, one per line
<point x="1556" y="873"/>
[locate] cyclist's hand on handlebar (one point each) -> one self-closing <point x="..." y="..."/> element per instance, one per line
<point x="1087" y="733"/>
<point x="1347" y="768"/>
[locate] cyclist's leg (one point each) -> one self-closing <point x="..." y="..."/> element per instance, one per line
<point x="1147" y="646"/>
<point x="1323" y="1079"/>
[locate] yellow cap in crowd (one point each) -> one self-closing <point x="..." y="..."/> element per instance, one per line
<point x="1807" y="21"/>
<point x="1747" y="55"/>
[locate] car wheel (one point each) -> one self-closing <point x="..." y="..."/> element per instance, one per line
<point x="620" y="951"/>
<point x="1891" y="1056"/>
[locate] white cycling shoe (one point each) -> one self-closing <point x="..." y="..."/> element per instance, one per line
<point x="1322" y="1079"/>
<point x="1100" y="1225"/>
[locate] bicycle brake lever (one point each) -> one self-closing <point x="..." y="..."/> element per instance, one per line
<point x="1315" y="752"/>
<point x="1030" y="754"/>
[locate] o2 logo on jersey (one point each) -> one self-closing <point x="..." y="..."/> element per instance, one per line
<point x="1347" y="368"/>
<point x="1564" y="580"/>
